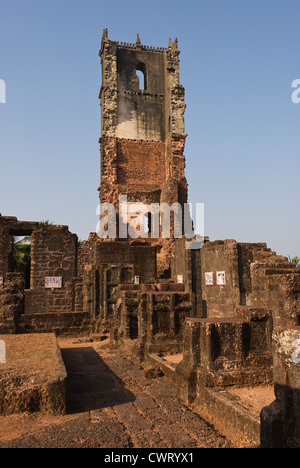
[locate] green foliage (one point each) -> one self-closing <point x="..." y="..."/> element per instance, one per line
<point x="47" y="222"/>
<point x="295" y="261"/>
<point x="21" y="254"/>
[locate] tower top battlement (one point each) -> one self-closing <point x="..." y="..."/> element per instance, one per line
<point x="172" y="46"/>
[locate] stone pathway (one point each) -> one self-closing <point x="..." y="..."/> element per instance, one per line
<point x="110" y="404"/>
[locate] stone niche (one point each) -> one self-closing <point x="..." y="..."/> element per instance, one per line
<point x="149" y="319"/>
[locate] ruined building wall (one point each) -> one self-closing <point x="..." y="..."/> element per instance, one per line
<point x="254" y="277"/>
<point x="140" y="112"/>
<point x="140" y="163"/>
<point x="53" y="254"/>
<point x="27" y="301"/>
<point x="216" y="257"/>
<point x="113" y="263"/>
<point x="11" y="303"/>
<point x="277" y="289"/>
<point x="5" y="250"/>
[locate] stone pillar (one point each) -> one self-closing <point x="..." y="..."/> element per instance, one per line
<point x="186" y="371"/>
<point x="280" y="421"/>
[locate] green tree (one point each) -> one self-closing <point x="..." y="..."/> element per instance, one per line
<point x="80" y="243"/>
<point x="21" y="253"/>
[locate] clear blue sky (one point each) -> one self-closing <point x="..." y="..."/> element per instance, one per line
<point x="238" y="61"/>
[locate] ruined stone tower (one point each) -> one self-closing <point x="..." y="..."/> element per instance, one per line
<point x="142" y="124"/>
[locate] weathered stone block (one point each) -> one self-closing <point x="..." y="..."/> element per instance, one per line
<point x="33" y="377"/>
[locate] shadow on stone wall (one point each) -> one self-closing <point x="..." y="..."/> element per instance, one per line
<point x="280" y="425"/>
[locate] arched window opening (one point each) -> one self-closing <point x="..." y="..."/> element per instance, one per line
<point x="141" y="74"/>
<point x="141" y="78"/>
